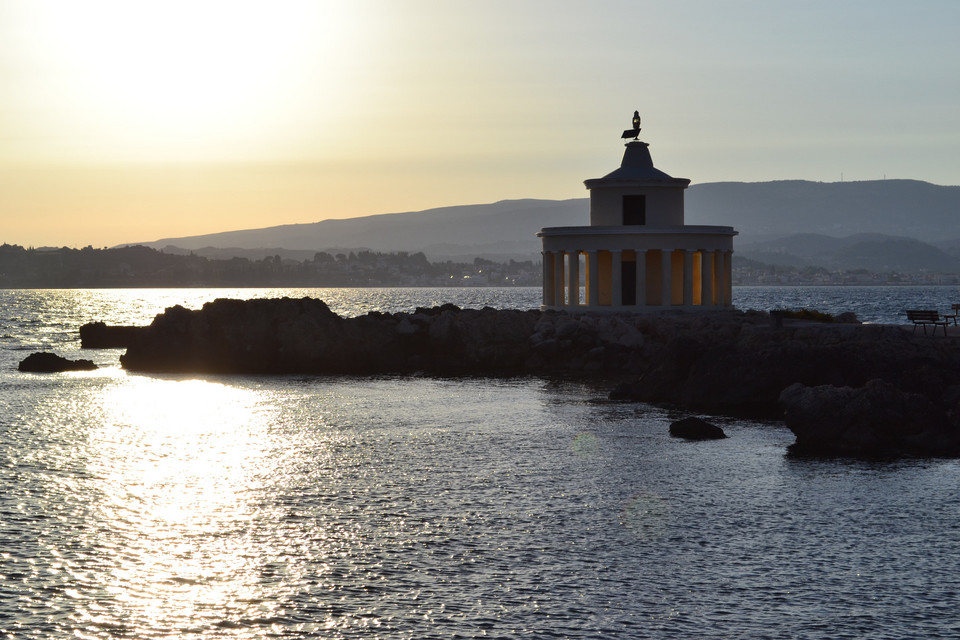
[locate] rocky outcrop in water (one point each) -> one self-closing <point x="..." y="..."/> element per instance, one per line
<point x="694" y="428"/>
<point x="99" y="335"/>
<point x="304" y="336"/>
<point x="45" y="362"/>
<point x="741" y="368"/>
<point x="725" y="362"/>
<point x="877" y="419"/>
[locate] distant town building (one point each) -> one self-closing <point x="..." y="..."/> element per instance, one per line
<point x="637" y="254"/>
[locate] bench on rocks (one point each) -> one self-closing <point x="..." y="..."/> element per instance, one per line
<point x="924" y="317"/>
<point x="954" y="312"/>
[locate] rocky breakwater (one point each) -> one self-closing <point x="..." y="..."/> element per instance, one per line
<point x="900" y="393"/>
<point x="877" y="419"/>
<point x="305" y="336"/>
<point x="842" y="389"/>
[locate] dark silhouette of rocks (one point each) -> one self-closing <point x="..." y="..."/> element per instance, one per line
<point x="730" y="362"/>
<point x="877" y="419"/>
<point x="98" y="335"/>
<point x="45" y="362"/>
<point x="304" y="336"/>
<point x="693" y="428"/>
<point x="741" y="368"/>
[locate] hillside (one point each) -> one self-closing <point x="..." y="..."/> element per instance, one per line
<point x="767" y="210"/>
<point x="500" y="231"/>
<point x="760" y="211"/>
<point x="871" y="251"/>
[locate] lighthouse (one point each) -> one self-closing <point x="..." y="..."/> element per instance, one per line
<point x="637" y="254"/>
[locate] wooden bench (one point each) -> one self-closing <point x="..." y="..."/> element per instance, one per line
<point x="955" y="311"/>
<point x="924" y="317"/>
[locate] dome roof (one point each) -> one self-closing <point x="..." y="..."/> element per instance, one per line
<point x="637" y="166"/>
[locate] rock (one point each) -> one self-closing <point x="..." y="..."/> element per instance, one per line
<point x="626" y="392"/>
<point x="98" y="335"/>
<point x="723" y="362"/>
<point x="567" y="328"/>
<point x="881" y="388"/>
<point x="696" y="429"/>
<point x="741" y="369"/>
<point x="406" y="327"/>
<point x="45" y="362"/>
<point x="304" y="336"/>
<point x="876" y="419"/>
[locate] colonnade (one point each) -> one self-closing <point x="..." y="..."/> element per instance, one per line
<point x="638" y="279"/>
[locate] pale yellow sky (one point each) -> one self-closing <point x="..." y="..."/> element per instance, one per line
<point x="128" y="121"/>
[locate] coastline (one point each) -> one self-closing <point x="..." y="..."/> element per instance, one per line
<point x="721" y="363"/>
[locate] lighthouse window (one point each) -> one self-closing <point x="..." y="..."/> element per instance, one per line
<point x="635" y="210"/>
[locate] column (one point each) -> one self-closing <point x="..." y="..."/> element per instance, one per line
<point x="547" y="278"/>
<point x="616" y="277"/>
<point x="558" y="278"/>
<point x="593" y="274"/>
<point x="666" y="277"/>
<point x="641" y="278"/>
<point x="707" y="290"/>
<point x="687" y="278"/>
<point x="728" y="278"/>
<point x="573" y="278"/>
<point x="719" y="276"/>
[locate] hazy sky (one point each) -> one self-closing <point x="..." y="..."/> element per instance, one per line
<point x="133" y="120"/>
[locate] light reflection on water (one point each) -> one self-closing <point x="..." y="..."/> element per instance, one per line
<point x="341" y="507"/>
<point x="177" y="461"/>
<point x="253" y="507"/>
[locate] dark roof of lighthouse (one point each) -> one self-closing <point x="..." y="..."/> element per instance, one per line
<point x="636" y="168"/>
<point x="637" y="165"/>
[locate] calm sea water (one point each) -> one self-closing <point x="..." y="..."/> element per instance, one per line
<point x="265" y="507"/>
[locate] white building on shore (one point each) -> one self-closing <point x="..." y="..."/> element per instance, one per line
<point x="637" y="254"/>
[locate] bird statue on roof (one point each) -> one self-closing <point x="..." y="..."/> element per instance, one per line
<point x="635" y="132"/>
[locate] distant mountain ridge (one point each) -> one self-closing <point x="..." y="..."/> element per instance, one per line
<point x="874" y="252"/>
<point x="766" y="210"/>
<point x="760" y="211"/>
<point x="503" y="229"/>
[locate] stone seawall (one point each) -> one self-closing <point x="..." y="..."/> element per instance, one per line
<point x="725" y="362"/>
<point x="304" y="336"/>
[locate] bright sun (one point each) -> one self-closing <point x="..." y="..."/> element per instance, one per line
<point x="187" y="76"/>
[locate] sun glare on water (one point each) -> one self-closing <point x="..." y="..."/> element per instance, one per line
<point x="188" y="459"/>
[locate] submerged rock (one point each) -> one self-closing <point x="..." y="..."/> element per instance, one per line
<point x="45" y="362"/>
<point x="696" y="429"/>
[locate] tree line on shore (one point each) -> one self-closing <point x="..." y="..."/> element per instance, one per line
<point x="139" y="266"/>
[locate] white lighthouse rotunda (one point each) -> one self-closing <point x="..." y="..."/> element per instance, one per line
<point x="637" y="254"/>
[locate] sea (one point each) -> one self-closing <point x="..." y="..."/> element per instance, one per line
<point x="185" y="506"/>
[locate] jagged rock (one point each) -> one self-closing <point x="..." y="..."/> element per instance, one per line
<point x="693" y="428"/>
<point x="98" y="335"/>
<point x="877" y="419"/>
<point x="741" y="369"/>
<point x="724" y="362"/>
<point x="292" y="336"/>
<point x="45" y="362"/>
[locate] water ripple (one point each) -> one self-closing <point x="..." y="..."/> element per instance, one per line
<point x="243" y="507"/>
